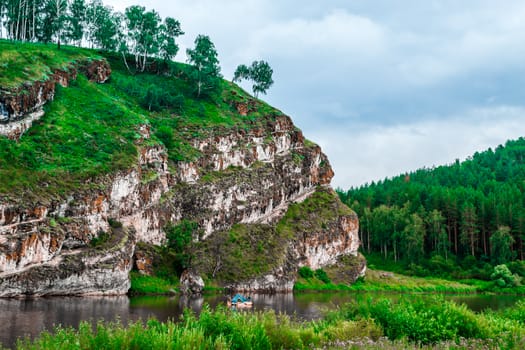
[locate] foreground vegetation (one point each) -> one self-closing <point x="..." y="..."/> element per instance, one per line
<point x="406" y="323"/>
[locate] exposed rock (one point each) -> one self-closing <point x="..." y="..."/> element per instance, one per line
<point x="321" y="232"/>
<point x="242" y="176"/>
<point x="97" y="71"/>
<point x="102" y="271"/>
<point x="320" y="248"/>
<point x="144" y="259"/>
<point x="20" y="107"/>
<point x="277" y="281"/>
<point x="191" y="283"/>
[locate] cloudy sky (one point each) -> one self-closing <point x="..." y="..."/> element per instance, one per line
<point x="383" y="86"/>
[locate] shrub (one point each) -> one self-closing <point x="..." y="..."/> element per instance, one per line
<point x="503" y="277"/>
<point x="517" y="267"/>
<point x="99" y="241"/>
<point x="306" y="272"/>
<point x="321" y="275"/>
<point x="420" y="321"/>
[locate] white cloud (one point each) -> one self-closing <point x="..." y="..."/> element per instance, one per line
<point x="375" y="152"/>
<point x="354" y="75"/>
<point x="335" y="34"/>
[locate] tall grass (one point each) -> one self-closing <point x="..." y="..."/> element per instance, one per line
<point x="430" y="321"/>
<point x="407" y="324"/>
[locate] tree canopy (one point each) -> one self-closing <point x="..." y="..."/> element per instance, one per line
<point x="205" y="64"/>
<point x="260" y="73"/>
<point x="136" y="31"/>
<point x="472" y="208"/>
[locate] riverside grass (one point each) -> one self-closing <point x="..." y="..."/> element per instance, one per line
<point x="380" y="281"/>
<point x="409" y="322"/>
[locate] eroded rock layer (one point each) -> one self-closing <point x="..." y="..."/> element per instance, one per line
<point x="242" y="176"/>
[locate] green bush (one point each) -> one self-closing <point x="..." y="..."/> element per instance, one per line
<point x="503" y="277"/>
<point x="306" y="272"/>
<point x="321" y="275"/>
<point x="517" y="267"/>
<point x="99" y="241"/>
<point x="420" y="321"/>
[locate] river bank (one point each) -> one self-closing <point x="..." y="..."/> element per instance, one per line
<point x="374" y="281"/>
<point x="30" y="317"/>
<point x="363" y="322"/>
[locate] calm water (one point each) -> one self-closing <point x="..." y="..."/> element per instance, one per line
<point x="19" y="318"/>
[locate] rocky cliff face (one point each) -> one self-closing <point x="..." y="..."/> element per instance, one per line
<point x="20" y="107"/>
<point x="247" y="177"/>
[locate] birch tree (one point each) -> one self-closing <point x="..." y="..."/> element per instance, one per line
<point x="205" y="64"/>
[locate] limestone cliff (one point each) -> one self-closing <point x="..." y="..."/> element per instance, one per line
<point x="243" y="177"/>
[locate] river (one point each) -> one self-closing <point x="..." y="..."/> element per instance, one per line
<point x="20" y="318"/>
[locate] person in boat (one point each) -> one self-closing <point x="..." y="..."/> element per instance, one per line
<point x="239" y="298"/>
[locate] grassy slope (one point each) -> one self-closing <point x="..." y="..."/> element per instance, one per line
<point x="90" y="130"/>
<point x="21" y="63"/>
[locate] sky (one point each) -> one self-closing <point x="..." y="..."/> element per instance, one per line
<point x="384" y="86"/>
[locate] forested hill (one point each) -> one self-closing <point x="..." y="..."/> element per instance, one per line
<point x="470" y="208"/>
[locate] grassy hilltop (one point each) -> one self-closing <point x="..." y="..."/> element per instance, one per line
<point x="90" y="130"/>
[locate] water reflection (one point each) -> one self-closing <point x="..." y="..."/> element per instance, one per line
<point x="21" y="318"/>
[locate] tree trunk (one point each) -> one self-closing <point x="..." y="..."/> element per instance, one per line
<point x="125" y="61"/>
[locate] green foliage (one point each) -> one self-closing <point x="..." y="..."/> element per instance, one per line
<point x="420" y="320"/>
<point x="321" y="275"/>
<point x="377" y="280"/>
<point x="306" y="272"/>
<point x="240" y="253"/>
<point x="55" y="16"/>
<point x="21" y="63"/>
<point x="114" y="223"/>
<point x="501" y="243"/>
<point x="503" y="277"/>
<point x="310" y="215"/>
<point x="179" y="240"/>
<point x="408" y="323"/>
<point x="206" y="71"/>
<point x="87" y="131"/>
<point x="90" y="130"/>
<point x="475" y="207"/>
<point x="100" y="240"/>
<point x="517" y="267"/>
<point x="143" y="284"/>
<point x="259" y="72"/>
<point x="77" y="19"/>
<point x="169" y="31"/>
<point x="248" y="251"/>
<point x="143" y="33"/>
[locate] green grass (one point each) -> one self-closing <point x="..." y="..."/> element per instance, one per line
<point x="313" y="214"/>
<point x="24" y="62"/>
<point x="143" y="284"/>
<point x="444" y="281"/>
<point x="375" y="282"/>
<point x="90" y="130"/>
<point x="87" y="131"/>
<point x="383" y="281"/>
